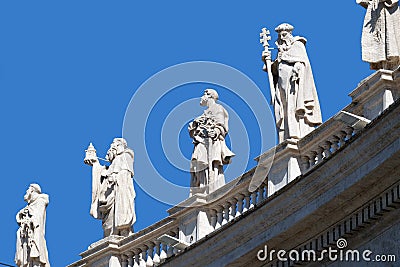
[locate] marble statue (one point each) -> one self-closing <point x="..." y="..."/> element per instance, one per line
<point x="293" y="92"/>
<point x="381" y="34"/>
<point x="210" y="152"/>
<point x="113" y="193"/>
<point x="31" y="248"/>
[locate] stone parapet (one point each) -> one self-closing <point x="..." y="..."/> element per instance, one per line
<point x="290" y="192"/>
<point x="361" y="179"/>
<point x="375" y="93"/>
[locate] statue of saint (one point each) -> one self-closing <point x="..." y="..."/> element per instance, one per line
<point x="294" y="95"/>
<point x="381" y="34"/>
<point x="210" y="152"/>
<point x="113" y="193"/>
<point x="31" y="245"/>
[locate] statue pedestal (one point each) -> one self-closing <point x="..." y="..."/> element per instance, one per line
<point x="196" y="222"/>
<point x="285" y="167"/>
<point x="375" y="94"/>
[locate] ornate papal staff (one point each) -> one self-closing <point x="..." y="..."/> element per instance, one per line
<point x="264" y="38"/>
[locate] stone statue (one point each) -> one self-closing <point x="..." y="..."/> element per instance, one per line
<point x="113" y="193"/>
<point x="210" y="151"/>
<point x="31" y="245"/>
<point x="381" y="34"/>
<point x="293" y="92"/>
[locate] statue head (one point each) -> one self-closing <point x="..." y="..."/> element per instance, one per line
<point x="209" y="96"/>
<point x="33" y="190"/>
<point x="118" y="146"/>
<point x="284" y="31"/>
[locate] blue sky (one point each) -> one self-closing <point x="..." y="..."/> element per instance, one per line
<point x="68" y="71"/>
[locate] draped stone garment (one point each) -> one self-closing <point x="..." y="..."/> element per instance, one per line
<point x="297" y="109"/>
<point x="381" y="34"/>
<point x="210" y="151"/>
<point x="113" y="193"/>
<point x="36" y="245"/>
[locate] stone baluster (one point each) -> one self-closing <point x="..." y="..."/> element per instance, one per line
<point x="142" y="257"/>
<point x="136" y="258"/>
<point x="213" y="218"/>
<point x="233" y="209"/>
<point x="239" y="210"/>
<point x="150" y="250"/>
<point x="342" y="138"/>
<point x="247" y="202"/>
<point x="320" y="154"/>
<point x="253" y="199"/>
<point x="312" y="156"/>
<point x="265" y="190"/>
<point x="219" y="217"/>
<point x="157" y="251"/>
<point x="260" y="193"/>
<point x="130" y="257"/>
<point x="226" y="213"/>
<point x="124" y="260"/>
<point x="148" y="254"/>
<point x="305" y="163"/>
<point x="335" y="141"/>
<point x="327" y="148"/>
<point x="349" y="132"/>
<point x="170" y="251"/>
<point x="164" y="251"/>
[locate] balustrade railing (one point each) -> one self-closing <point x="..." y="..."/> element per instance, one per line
<point x="146" y="249"/>
<point x="236" y="200"/>
<point x="326" y="140"/>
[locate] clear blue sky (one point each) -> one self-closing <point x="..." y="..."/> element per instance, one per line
<point x="68" y="70"/>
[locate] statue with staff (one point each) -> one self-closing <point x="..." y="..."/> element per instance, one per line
<point x="293" y="92"/>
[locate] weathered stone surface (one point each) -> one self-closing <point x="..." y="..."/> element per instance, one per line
<point x="375" y="93"/>
<point x="347" y="186"/>
<point x="381" y="34"/>
<point x="284" y="169"/>
<point x="299" y="212"/>
<point x="113" y="194"/>
<point x="352" y="193"/>
<point x="31" y="243"/>
<point x="294" y="96"/>
<point x="210" y="152"/>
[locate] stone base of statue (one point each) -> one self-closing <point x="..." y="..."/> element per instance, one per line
<point x="217" y="182"/>
<point x="375" y="93"/>
<point x="196" y="223"/>
<point x="288" y="157"/>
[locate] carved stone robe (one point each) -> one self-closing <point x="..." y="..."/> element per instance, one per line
<point x="31" y="244"/>
<point x="113" y="194"/>
<point x="296" y="104"/>
<point x="381" y="34"/>
<point x="209" y="152"/>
